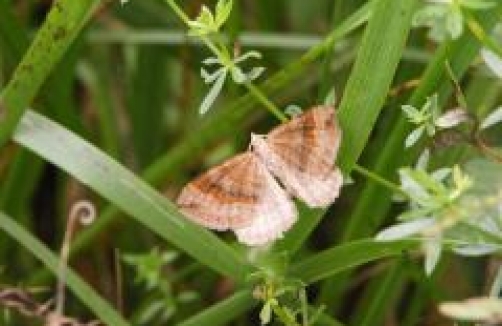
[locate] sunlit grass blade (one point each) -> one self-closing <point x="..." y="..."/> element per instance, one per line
<point x="96" y="170"/>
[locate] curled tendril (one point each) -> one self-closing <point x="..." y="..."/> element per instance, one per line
<point x="83" y="211"/>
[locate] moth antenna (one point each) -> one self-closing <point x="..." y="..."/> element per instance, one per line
<point x="83" y="212"/>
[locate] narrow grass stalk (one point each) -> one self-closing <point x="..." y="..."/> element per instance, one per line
<point x="345" y="257"/>
<point x="224" y="311"/>
<point x="94" y="168"/>
<point x="64" y="22"/>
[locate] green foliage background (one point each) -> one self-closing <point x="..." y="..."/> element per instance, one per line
<point x="99" y="100"/>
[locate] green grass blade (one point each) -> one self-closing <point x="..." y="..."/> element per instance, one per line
<point x="93" y="301"/>
<point x="374" y="200"/>
<point x="364" y="96"/>
<point x="224" y="311"/>
<point x="383" y="297"/>
<point x="96" y="170"/>
<point x="63" y="23"/>
<point x="340" y="258"/>
<point x="365" y="93"/>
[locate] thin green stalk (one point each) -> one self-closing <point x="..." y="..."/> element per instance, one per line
<point x="221" y="53"/>
<point x="378" y="179"/>
<point x="64" y="22"/>
<point x="479" y="32"/>
<point x="265" y="101"/>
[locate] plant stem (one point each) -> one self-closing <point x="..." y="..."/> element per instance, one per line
<point x="378" y="179"/>
<point x="224" y="58"/>
<point x="83" y="212"/>
<point x="255" y="91"/>
<point x="283" y="316"/>
<point x="478" y="31"/>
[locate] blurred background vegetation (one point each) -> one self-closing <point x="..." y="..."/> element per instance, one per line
<point x="130" y="84"/>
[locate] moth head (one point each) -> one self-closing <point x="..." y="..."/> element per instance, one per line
<point x="257" y="141"/>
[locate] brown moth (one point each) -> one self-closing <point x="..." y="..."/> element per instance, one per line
<point x="242" y="195"/>
<point x="238" y="195"/>
<point x="301" y="154"/>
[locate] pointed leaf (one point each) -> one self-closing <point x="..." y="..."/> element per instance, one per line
<point x="455" y="23"/>
<point x="248" y="55"/>
<point x="414" y="136"/>
<point x="411" y="112"/>
<point x="210" y="78"/>
<point x="255" y="73"/>
<point x="404" y="230"/>
<point x="432" y="248"/>
<point x="492" y="61"/>
<point x="492" y="119"/>
<point x="212" y="94"/>
<point x="223" y="10"/>
<point x="211" y="61"/>
<point x="441" y="174"/>
<point x="488" y="310"/>
<point x="423" y="160"/>
<point x="475" y="249"/>
<point x="238" y="75"/>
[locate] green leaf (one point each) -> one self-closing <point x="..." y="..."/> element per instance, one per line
<point x="81" y="289"/>
<point x="381" y="47"/>
<point x="492" y="119"/>
<point x="238" y="75"/>
<point x="414" y="136"/>
<point x="96" y="170"/>
<point x="266" y="313"/>
<point x="213" y="93"/>
<point x="412" y="113"/>
<point x="478" y="4"/>
<point x="455" y="23"/>
<point x="224" y="311"/>
<point x="404" y="230"/>
<point x="432" y="248"/>
<point x="346" y="256"/>
<point x="429" y="15"/>
<point x="223" y="10"/>
<point x="487" y="176"/>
